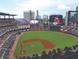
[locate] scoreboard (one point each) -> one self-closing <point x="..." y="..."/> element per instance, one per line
<point x="56" y="19"/>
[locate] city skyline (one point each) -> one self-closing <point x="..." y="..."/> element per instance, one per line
<point x="45" y="7"/>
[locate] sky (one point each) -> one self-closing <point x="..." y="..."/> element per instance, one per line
<point x="45" y="7"/>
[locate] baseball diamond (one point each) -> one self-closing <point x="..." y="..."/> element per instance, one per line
<point x="35" y="42"/>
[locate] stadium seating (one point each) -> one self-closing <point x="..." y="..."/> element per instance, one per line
<point x="70" y="30"/>
<point x="8" y="30"/>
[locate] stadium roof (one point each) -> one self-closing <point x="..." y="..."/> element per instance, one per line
<point x="6" y="14"/>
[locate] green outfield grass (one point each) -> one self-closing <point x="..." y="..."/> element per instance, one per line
<point x="60" y="40"/>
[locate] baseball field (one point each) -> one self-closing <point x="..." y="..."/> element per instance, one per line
<point x="35" y="42"/>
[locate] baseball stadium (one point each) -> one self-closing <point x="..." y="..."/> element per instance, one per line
<point x="37" y="40"/>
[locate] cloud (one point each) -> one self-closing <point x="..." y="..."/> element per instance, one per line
<point x="34" y="4"/>
<point x="63" y="7"/>
<point x="44" y="6"/>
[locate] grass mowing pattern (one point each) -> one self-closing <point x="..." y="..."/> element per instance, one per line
<point x="60" y="40"/>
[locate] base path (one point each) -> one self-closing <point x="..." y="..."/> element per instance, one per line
<point x="45" y="43"/>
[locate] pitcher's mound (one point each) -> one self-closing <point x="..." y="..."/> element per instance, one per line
<point x="32" y="46"/>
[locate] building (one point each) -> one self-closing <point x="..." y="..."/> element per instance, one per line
<point x="45" y="19"/>
<point x="37" y="15"/>
<point x="29" y="15"/>
<point x="71" y="17"/>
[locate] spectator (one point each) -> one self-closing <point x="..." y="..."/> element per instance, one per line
<point x="37" y="57"/>
<point x="44" y="55"/>
<point x="23" y="57"/>
<point x="68" y="54"/>
<point x="33" y="57"/>
<point x="50" y="55"/>
<point x="54" y="53"/>
<point x="28" y="57"/>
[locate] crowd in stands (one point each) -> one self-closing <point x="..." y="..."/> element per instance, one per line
<point x="73" y="31"/>
<point x="7" y="44"/>
<point x="6" y="25"/>
<point x="6" y="37"/>
<point x="7" y="22"/>
<point x="8" y="30"/>
<point x="11" y="27"/>
<point x="70" y="29"/>
<point x="66" y="53"/>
